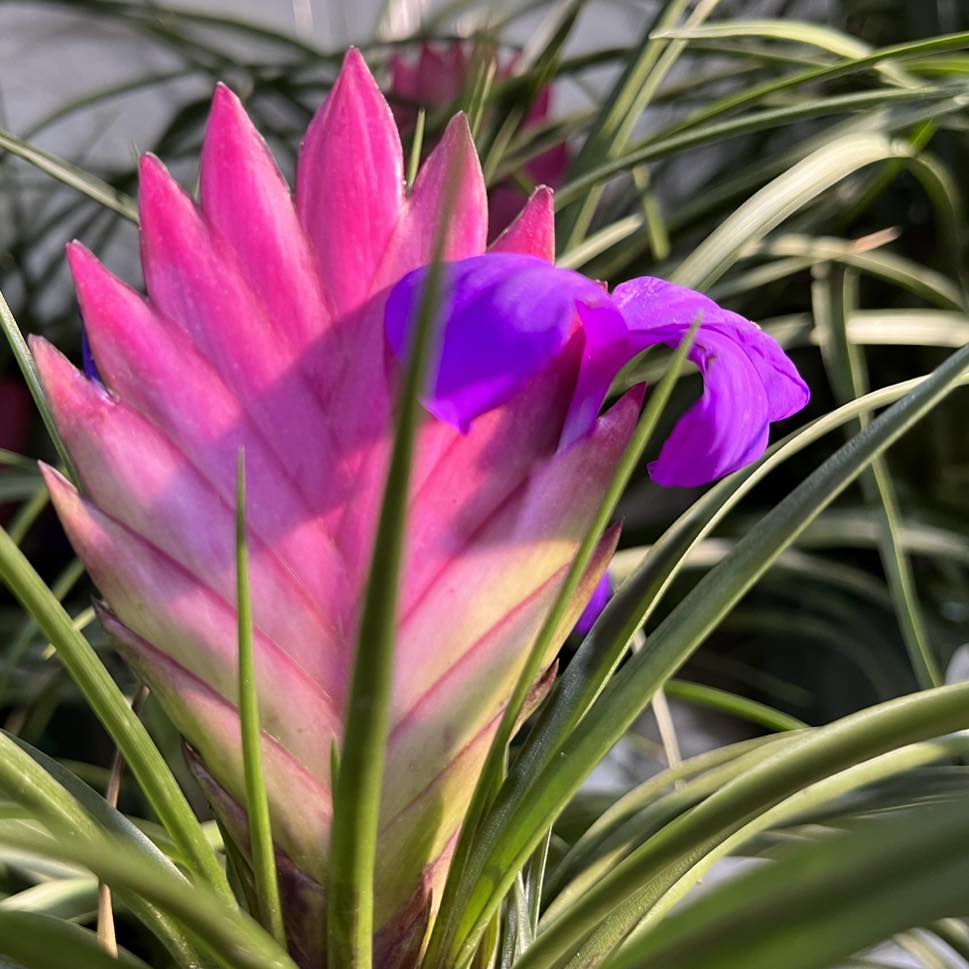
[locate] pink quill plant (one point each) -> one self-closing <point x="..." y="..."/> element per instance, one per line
<point x="278" y="325"/>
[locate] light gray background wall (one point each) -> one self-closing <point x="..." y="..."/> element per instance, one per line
<point x="49" y="55"/>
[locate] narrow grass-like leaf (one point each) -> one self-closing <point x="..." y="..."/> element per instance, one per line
<point x="28" y="513"/>
<point x="20" y="643"/>
<point x="35" y="941"/>
<point x="649" y="792"/>
<point x="532" y="797"/>
<point x="491" y="773"/>
<point x="732" y="704"/>
<point x="234" y="938"/>
<point x="806" y="803"/>
<point x="356" y="797"/>
<point x="834" y="298"/>
<point x="823" y="900"/>
<point x="597" y="243"/>
<point x="599" y="857"/>
<point x="812" y="756"/>
<point x="622" y="108"/>
<point x="780" y="199"/>
<point x="416" y="147"/>
<point x="257" y="800"/>
<point x="61" y="898"/>
<point x="874" y="59"/>
<point x="70" y="175"/>
<point x="109" y="705"/>
<point x="920" y="280"/>
<point x="36" y="782"/>
<point x="768" y="119"/>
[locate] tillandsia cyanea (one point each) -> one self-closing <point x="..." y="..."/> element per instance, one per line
<point x="441" y="76"/>
<point x="280" y="327"/>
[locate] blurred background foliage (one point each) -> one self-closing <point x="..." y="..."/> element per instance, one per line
<point x="675" y="116"/>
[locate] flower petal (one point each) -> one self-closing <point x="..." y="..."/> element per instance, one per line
<point x="598" y="602"/>
<point x="350" y="184"/>
<point x="506" y="317"/>
<point x="748" y="380"/>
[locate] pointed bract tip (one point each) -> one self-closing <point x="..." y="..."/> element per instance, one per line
<point x="457" y="142"/>
<point x="225" y="101"/>
<point x="80" y="259"/>
<point x="459" y="125"/>
<point x="355" y="68"/>
<point x="150" y="165"/>
<point x="62" y="492"/>
<point x="532" y="231"/>
<point x="154" y="181"/>
<point x="37" y="343"/>
<point x="228" y="132"/>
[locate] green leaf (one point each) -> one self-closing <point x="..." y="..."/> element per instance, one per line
<point x="356" y="796"/>
<point x="536" y="792"/>
<point x="799" y="252"/>
<point x="257" y="801"/>
<point x="70" y="175"/>
<point x="600" y="851"/>
<point x="37" y="941"/>
<point x="732" y="704"/>
<point x="642" y="796"/>
<point x="623" y="106"/>
<point x="806" y="805"/>
<point x="62" y="898"/>
<point x="109" y="705"/>
<point x="834" y="297"/>
<point x="662" y="147"/>
<point x="25" y="360"/>
<point x="822" y="901"/>
<point x="780" y="199"/>
<point x="809" y="757"/>
<point x="490" y="776"/>
<point x="53" y="795"/>
<point x="234" y="938"/>
<point x="858" y="57"/>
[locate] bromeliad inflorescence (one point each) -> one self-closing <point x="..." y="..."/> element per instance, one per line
<point x="280" y="328"/>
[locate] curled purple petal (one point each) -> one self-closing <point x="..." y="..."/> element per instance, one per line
<point x="748" y="380"/>
<point x="505" y="318"/>
<point x="598" y="602"/>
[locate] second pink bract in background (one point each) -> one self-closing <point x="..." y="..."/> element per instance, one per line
<point x="438" y="77"/>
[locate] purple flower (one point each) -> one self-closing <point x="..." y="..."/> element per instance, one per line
<point x="598" y="602"/>
<point x="508" y="317"/>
